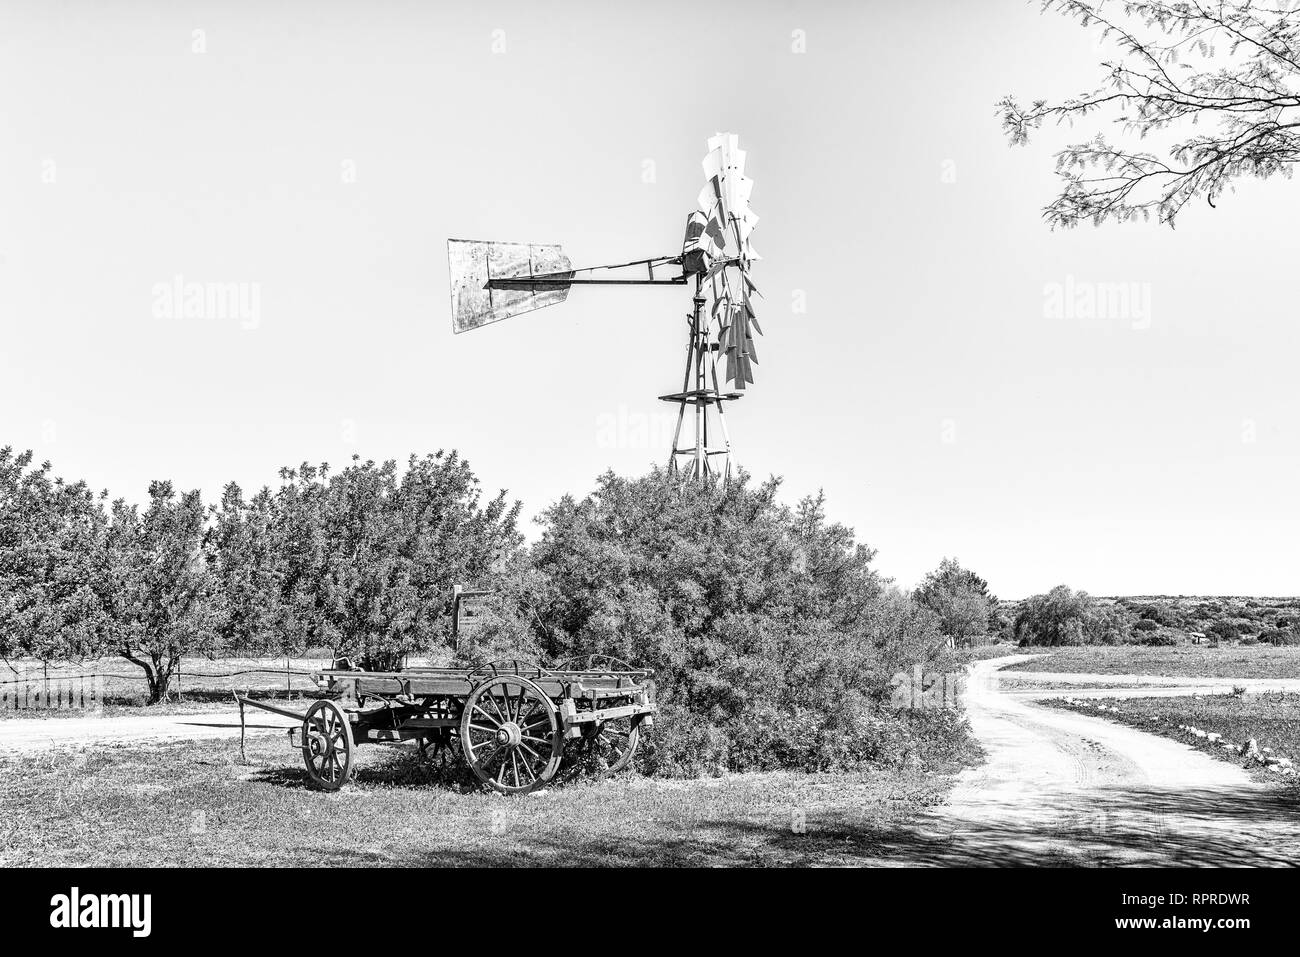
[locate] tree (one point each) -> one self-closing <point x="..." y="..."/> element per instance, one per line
<point x="159" y="596"/>
<point x="49" y="530"/>
<point x="1227" y="68"/>
<point x="1065" y="617"/>
<point x="960" y="598"/>
<point x="245" y="551"/>
<point x="370" y="559"/>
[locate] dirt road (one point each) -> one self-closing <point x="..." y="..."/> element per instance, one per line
<point x="1065" y="788"/>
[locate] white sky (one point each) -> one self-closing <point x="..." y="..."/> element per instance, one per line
<point x="925" y="388"/>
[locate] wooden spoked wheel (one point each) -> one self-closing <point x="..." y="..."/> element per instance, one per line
<point x="607" y="747"/>
<point x="614" y="744"/>
<point x="510" y="734"/>
<point x="327" y="745"/>
<point x="439" y="748"/>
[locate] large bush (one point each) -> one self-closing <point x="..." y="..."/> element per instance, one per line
<point x="1066" y="617"/>
<point x="772" y="637"/>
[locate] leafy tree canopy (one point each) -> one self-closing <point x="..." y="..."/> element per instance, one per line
<point x="1217" y="83"/>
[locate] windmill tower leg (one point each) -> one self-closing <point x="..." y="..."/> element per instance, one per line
<point x="700" y="390"/>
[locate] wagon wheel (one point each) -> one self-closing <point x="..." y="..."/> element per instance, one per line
<point x="439" y="748"/>
<point x="327" y="745"/>
<point x="606" y="748"/>
<point x="614" y="744"/>
<point x="510" y="734"/>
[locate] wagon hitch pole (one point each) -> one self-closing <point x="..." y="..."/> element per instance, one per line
<point x="243" y="758"/>
<point x="298" y="716"/>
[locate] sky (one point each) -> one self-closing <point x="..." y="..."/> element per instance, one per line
<point x="928" y="357"/>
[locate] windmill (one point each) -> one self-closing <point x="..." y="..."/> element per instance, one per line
<point x="491" y="281"/>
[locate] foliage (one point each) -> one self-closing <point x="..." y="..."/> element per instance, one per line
<point x="1159" y="639"/>
<point x="1228" y="69"/>
<point x="370" y="558"/>
<point x="772" y="638"/>
<point x="1281" y="636"/>
<point x="48" y="529"/>
<point x="245" y="548"/>
<point x="159" y="597"/>
<point x="1225" y="630"/>
<point x="1065" y="617"/>
<point x="361" y="562"/>
<point x="774" y="641"/>
<point x="960" y="599"/>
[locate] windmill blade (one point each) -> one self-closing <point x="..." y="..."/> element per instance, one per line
<point x="473" y="264"/>
<point x="726" y="192"/>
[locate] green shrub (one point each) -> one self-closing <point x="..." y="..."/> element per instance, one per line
<point x="1225" y="630"/>
<point x="1066" y="617"/>
<point x="1159" y="639"/>
<point x="773" y="640"/>
<point x="1278" y="636"/>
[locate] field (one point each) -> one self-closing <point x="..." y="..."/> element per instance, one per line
<point x="1272" y="719"/>
<point x="1183" y="661"/>
<point x="196" y="804"/>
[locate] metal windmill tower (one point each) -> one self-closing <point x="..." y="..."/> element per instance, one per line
<point x="491" y="281"/>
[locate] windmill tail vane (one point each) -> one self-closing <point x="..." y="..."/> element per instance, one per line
<point x="491" y="281"/>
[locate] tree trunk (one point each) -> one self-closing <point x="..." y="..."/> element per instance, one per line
<point x="157" y="673"/>
<point x="160" y="683"/>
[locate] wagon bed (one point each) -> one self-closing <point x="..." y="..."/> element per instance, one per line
<point x="516" y="724"/>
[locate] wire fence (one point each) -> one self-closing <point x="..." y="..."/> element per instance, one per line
<point x="33" y="683"/>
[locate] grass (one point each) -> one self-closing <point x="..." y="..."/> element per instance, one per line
<point x="1272" y="719"/>
<point x="1185" y="661"/>
<point x="194" y="803"/>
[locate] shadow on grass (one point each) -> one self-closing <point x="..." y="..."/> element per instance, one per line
<point x="1131" y="827"/>
<point x="404" y="769"/>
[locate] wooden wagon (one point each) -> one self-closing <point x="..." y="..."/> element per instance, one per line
<point x="515" y="723"/>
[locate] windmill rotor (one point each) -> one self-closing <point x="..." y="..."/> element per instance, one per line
<point x="491" y="281"/>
